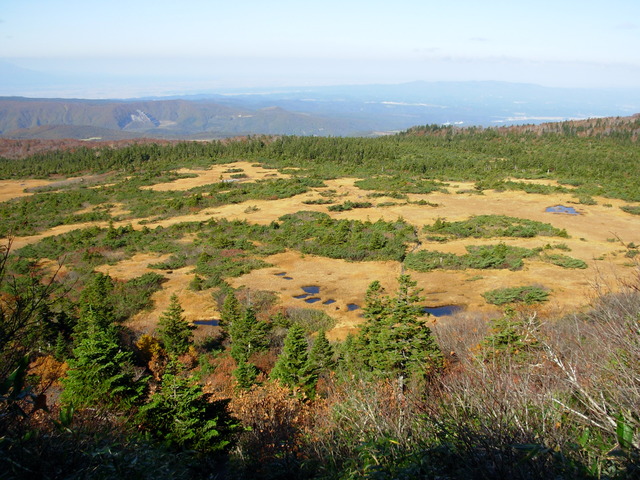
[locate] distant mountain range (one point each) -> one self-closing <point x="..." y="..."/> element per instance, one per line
<point x="325" y="111"/>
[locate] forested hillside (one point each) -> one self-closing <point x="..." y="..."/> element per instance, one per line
<point x="443" y="303"/>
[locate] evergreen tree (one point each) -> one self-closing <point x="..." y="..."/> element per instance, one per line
<point x="174" y="331"/>
<point x="248" y="335"/>
<point x="100" y="372"/>
<point x="393" y="341"/>
<point x="231" y="310"/>
<point x="95" y="297"/>
<point x="245" y="374"/>
<point x="182" y="415"/>
<point x="321" y="356"/>
<point x="292" y="366"/>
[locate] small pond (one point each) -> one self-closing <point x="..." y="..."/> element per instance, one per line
<point x="213" y="323"/>
<point x="352" y="306"/>
<point x="313" y="299"/>
<point x="281" y="274"/>
<point x="315" y="289"/>
<point x="303" y="295"/>
<point x="443" y="310"/>
<point x="288" y="278"/>
<point x="562" y="209"/>
<point x="329" y="302"/>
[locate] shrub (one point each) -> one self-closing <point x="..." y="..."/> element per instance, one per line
<point x="632" y="209"/>
<point x="181" y="414"/>
<point x="564" y="261"/>
<point x="525" y="294"/>
<point x="488" y="226"/>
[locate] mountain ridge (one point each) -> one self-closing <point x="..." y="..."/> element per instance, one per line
<point x="351" y="110"/>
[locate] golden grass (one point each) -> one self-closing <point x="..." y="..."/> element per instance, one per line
<point x="591" y="234"/>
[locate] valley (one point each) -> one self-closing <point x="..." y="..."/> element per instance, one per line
<point x="444" y="301"/>
<point x="598" y="236"/>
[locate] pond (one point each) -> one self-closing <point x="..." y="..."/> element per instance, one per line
<point x="443" y="310"/>
<point x="213" y="323"/>
<point x="352" y="306"/>
<point x="313" y="299"/>
<point x="329" y="302"/>
<point x="315" y="289"/>
<point x="562" y="209"/>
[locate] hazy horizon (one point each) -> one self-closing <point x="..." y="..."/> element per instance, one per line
<point x="131" y="49"/>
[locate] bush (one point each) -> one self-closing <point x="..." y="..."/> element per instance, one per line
<point x="632" y="209"/>
<point x="488" y="226"/>
<point x="564" y="261"/>
<point x="526" y="294"/>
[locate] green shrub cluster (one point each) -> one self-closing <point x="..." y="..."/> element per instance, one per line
<point x="632" y="209"/>
<point x="500" y="256"/>
<point x="526" y="294"/>
<point x="28" y="215"/>
<point x="349" y="205"/>
<point x="319" y="234"/>
<point x="398" y="185"/>
<point x="489" y="226"/>
<point x="564" y="261"/>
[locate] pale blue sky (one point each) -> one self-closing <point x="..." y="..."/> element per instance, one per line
<point x="279" y="42"/>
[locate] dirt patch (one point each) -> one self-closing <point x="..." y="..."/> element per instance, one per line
<point x="196" y="305"/>
<point x="216" y="174"/>
<point x="133" y="267"/>
<point x="597" y="236"/>
<point x="339" y="280"/>
<point x="18" y="188"/>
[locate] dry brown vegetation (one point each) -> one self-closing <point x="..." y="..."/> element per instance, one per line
<point x="595" y="237"/>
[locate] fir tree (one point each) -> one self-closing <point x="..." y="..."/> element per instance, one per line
<point x="231" y="310"/>
<point x="95" y="297"/>
<point x="181" y="414"/>
<point x="245" y="374"/>
<point x="100" y="372"/>
<point x="292" y="366"/>
<point x="174" y="331"/>
<point x="321" y="356"/>
<point x="248" y="335"/>
<point x="393" y="341"/>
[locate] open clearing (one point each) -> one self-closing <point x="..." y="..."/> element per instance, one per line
<point x="597" y="236"/>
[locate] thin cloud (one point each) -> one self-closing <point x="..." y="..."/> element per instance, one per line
<point x="627" y="26"/>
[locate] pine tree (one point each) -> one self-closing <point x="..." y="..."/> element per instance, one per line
<point x="101" y="372"/>
<point x="181" y="414"/>
<point x="248" y="335"/>
<point x="174" y="331"/>
<point x="292" y="367"/>
<point x="321" y="356"/>
<point x="393" y="341"/>
<point x="245" y="374"/>
<point x="231" y="310"/>
<point x="95" y="297"/>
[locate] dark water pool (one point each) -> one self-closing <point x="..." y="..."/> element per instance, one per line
<point x="313" y="299"/>
<point x="213" y="323"/>
<point x="443" y="310"/>
<point x="281" y="274"/>
<point x="288" y="278"/>
<point x="562" y="209"/>
<point x="303" y="295"/>
<point x="315" y="289"/>
<point x="329" y="302"/>
<point x="352" y="306"/>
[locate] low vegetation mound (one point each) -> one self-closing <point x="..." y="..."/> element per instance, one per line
<point x="527" y="294"/>
<point x="489" y="226"/>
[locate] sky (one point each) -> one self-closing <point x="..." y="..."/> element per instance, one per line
<point x="152" y="47"/>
